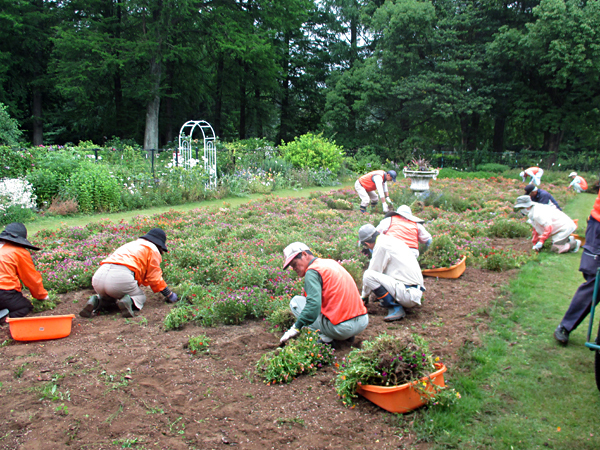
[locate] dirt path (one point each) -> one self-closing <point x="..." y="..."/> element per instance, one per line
<point x="126" y="383"/>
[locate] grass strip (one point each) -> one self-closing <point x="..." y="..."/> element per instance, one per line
<point x="521" y="389"/>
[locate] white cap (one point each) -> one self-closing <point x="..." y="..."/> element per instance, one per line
<point x="404" y="211"/>
<point x="572" y="174"/>
<point x="522" y="174"/>
<point x="365" y="232"/>
<point x="291" y="251"/>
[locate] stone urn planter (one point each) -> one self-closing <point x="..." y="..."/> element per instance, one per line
<point x="420" y="178"/>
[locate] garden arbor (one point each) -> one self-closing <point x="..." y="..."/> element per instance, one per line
<point x="210" y="151"/>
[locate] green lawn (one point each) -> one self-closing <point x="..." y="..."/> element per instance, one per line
<point x="523" y="390"/>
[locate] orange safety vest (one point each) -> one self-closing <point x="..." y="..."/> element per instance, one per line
<point x="340" y="299"/>
<point x="405" y="230"/>
<point x="533" y="170"/>
<point x="367" y="182"/>
<point x="583" y="183"/>
<point x="16" y="264"/>
<point x="143" y="259"/>
<point x="596" y="209"/>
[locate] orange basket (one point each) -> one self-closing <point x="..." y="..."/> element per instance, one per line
<point x="40" y="328"/>
<point x="454" y="271"/>
<point x="403" y="398"/>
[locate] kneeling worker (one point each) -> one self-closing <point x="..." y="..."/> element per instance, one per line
<point x="393" y="275"/>
<point x="404" y="226"/>
<point x="331" y="303"/>
<point x="120" y="276"/>
<point x="16" y="265"/>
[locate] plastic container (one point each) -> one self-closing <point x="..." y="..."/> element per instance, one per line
<point x="581" y="238"/>
<point x="40" y="328"/>
<point x="403" y="398"/>
<point x="447" y="272"/>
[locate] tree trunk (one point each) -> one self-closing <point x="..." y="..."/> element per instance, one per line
<point x="243" y="103"/>
<point x="551" y="145"/>
<point x="153" y="108"/>
<point x="499" y="127"/>
<point x="285" y="98"/>
<point x="219" y="95"/>
<point x="38" y="124"/>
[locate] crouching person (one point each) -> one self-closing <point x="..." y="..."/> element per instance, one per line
<point x="393" y="275"/>
<point x="16" y="265"/>
<point x="331" y="303"/>
<point x="120" y="276"/>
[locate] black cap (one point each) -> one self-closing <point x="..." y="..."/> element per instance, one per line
<point x="529" y="189"/>
<point x="17" y="233"/>
<point x="158" y="237"/>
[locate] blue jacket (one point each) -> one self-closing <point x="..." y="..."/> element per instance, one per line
<point x="545" y="198"/>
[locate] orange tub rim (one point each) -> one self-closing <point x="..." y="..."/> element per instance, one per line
<point x="40" y="327"/>
<point x="454" y="271"/>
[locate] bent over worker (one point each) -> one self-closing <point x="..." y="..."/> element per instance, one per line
<point x="535" y="173"/>
<point x="404" y="226"/>
<point x="369" y="185"/>
<point x="578" y="184"/>
<point x="541" y="196"/>
<point x="581" y="303"/>
<point x="16" y="265"/>
<point x="331" y="302"/>
<point x="393" y="275"/>
<point x="547" y="221"/>
<point x="120" y="276"/>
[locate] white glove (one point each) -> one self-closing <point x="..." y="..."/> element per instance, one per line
<point x="385" y="207"/>
<point x="289" y="334"/>
<point x="47" y="297"/>
<point x="387" y="199"/>
<point x="538" y="246"/>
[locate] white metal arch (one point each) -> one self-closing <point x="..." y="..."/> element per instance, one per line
<point x="210" y="150"/>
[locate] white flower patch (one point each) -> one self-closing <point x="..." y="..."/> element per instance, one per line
<point x="16" y="192"/>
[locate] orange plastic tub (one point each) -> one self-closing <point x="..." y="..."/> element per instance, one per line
<point x="448" y="272"/>
<point x="581" y="238"/>
<point x="403" y="398"/>
<point x="40" y="328"/>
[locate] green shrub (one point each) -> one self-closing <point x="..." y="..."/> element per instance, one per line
<point x="15" y="162"/>
<point x="15" y="213"/>
<point x="46" y="185"/>
<point x="314" y="152"/>
<point x="492" y="167"/>
<point x="199" y="344"/>
<point x="506" y="228"/>
<point x="9" y="128"/>
<point x="94" y="188"/>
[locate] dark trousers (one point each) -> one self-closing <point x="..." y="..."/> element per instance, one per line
<point x="590" y="261"/>
<point x="17" y="305"/>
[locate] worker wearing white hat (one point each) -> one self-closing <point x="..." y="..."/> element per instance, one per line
<point x="547" y="221"/>
<point x="393" y="275"/>
<point x="404" y="226"/>
<point x="578" y="184"/>
<point x="331" y="302"/>
<point x="535" y="173"/>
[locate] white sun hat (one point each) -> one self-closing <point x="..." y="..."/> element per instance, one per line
<point x="292" y="250"/>
<point x="405" y="211"/>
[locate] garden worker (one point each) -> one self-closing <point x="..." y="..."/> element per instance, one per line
<point x="393" y="275"/>
<point x="547" y="221"/>
<point x="541" y="196"/>
<point x="120" y="276"/>
<point x="590" y="261"/>
<point x="372" y="183"/>
<point x="331" y="302"/>
<point x="579" y="184"/>
<point x="16" y="265"/>
<point x="404" y="226"/>
<point x="535" y="173"/>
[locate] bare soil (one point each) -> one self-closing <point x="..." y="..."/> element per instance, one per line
<point x="126" y="383"/>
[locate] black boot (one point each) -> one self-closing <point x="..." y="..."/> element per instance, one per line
<point x="90" y="307"/>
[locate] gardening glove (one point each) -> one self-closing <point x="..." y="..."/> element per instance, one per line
<point x="385" y="207"/>
<point x="537" y="247"/>
<point x="172" y="297"/>
<point x="535" y="237"/>
<point x="387" y="199"/>
<point x="46" y="298"/>
<point x="365" y="300"/>
<point x="289" y="334"/>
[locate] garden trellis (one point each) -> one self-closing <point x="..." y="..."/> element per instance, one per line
<point x="210" y="152"/>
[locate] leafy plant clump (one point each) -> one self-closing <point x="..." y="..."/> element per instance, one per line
<point x="443" y="252"/>
<point x="507" y="228"/>
<point x="420" y="164"/>
<point x="313" y="151"/>
<point x="301" y="355"/>
<point x="389" y="361"/>
<point x="199" y="344"/>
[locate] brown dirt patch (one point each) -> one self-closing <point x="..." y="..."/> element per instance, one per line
<point x="174" y="400"/>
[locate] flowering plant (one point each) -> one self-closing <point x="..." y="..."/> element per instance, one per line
<point x="386" y="361"/>
<point x="443" y="252"/>
<point x="301" y="355"/>
<point x="420" y="164"/>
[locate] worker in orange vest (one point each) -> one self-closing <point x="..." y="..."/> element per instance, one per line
<point x="331" y="302"/>
<point x="16" y="265"/>
<point x="579" y="184"/>
<point x="535" y="173"/>
<point x="369" y="185"/>
<point x="406" y="227"/>
<point x="120" y="276"/>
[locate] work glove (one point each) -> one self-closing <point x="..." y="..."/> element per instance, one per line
<point x="537" y="247"/>
<point x="385" y="207"/>
<point x="289" y="334"/>
<point x="172" y="297"/>
<point x="365" y="300"/>
<point x="387" y="199"/>
<point x="46" y="298"/>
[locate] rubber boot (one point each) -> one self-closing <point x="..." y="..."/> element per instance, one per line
<point x="363" y="209"/>
<point x="125" y="304"/>
<point x="384" y="297"/>
<point x="395" y="313"/>
<point x="373" y="205"/>
<point x="3" y="316"/>
<point x="90" y="307"/>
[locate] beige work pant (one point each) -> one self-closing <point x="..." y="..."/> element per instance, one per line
<point x="115" y="281"/>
